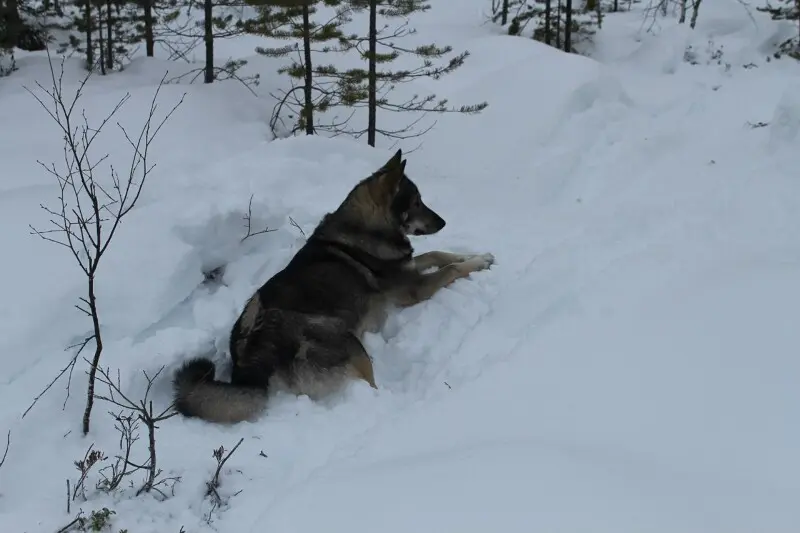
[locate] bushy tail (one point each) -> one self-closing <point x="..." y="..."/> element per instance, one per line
<point x="198" y="394"/>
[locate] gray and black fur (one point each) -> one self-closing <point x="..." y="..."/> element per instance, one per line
<point x="302" y="329"/>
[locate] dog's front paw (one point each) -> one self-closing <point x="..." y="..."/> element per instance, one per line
<point x="479" y="262"/>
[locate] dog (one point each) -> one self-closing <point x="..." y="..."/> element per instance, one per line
<point x="302" y="329"/>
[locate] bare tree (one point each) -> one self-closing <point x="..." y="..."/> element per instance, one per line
<point x="143" y="411"/>
<point x="112" y="475"/>
<point x="127" y="425"/>
<point x="91" y="208"/>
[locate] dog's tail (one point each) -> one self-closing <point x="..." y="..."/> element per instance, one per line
<point x="198" y="394"/>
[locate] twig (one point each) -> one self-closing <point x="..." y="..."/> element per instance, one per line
<point x="8" y="445"/>
<point x="248" y="218"/>
<point x="77" y="521"/>
<point x="220" y="463"/>
<point x="214" y="483"/>
<point x="84" y="466"/>
<point x="127" y="427"/>
<point x="296" y="225"/>
<point x="70" y="366"/>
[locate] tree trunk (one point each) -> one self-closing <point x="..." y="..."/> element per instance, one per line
<point x="695" y="11"/>
<point x="504" y="13"/>
<point x="558" y="24"/>
<point x="682" y="19"/>
<point x="87" y="16"/>
<point x="109" y="36"/>
<point x="9" y="14"/>
<point x="372" y="76"/>
<point x="100" y="43"/>
<point x="568" y="28"/>
<point x="548" y="22"/>
<point x="598" y="6"/>
<point x="208" y="24"/>
<point x="98" y="347"/>
<point x="309" y="104"/>
<point x="148" y="27"/>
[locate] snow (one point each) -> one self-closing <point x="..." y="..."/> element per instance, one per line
<point x="629" y="364"/>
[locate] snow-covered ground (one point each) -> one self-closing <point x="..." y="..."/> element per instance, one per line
<point x="630" y="364"/>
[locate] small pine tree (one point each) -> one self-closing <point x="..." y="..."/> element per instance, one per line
<point x="286" y="20"/>
<point x="121" y="32"/>
<point x="219" y="22"/>
<point x="21" y="26"/>
<point x="359" y="85"/>
<point x="106" y="29"/>
<point x="221" y="19"/>
<point x="7" y="62"/>
<point x="85" y="23"/>
<point x="143" y="15"/>
<point x="558" y="23"/>
<point x="8" y="38"/>
<point x="786" y="10"/>
<point x="503" y="10"/>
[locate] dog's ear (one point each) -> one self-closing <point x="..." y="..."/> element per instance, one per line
<point x="387" y="184"/>
<point x="395" y="161"/>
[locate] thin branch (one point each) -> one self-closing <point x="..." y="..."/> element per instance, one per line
<point x="63" y="371"/>
<point x="76" y="522"/>
<point x="214" y="483"/>
<point x="248" y="219"/>
<point x="296" y="225"/>
<point x="8" y="445"/>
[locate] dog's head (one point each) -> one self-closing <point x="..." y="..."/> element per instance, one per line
<point x="394" y="191"/>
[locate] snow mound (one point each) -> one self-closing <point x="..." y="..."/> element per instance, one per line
<point x="785" y="123"/>
<point x="662" y="53"/>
